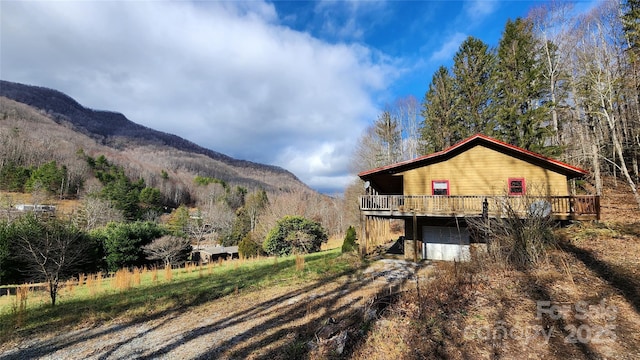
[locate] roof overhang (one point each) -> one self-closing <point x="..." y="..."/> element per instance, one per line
<point x="385" y="181"/>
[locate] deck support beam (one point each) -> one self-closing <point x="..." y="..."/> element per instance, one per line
<point x="415" y="237"/>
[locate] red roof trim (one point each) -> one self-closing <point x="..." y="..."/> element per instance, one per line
<point x="482" y="138"/>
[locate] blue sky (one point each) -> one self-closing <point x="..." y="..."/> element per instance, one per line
<point x="417" y="36"/>
<point x="292" y="83"/>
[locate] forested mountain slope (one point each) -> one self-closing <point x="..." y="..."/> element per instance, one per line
<point x="55" y="126"/>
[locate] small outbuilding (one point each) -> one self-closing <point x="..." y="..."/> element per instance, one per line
<point x="210" y="253"/>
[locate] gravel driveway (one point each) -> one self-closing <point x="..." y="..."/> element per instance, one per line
<point x="273" y="323"/>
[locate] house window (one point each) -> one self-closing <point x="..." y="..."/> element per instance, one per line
<point x="516" y="186"/>
<point x="440" y="187"/>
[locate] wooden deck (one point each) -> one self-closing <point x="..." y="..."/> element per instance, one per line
<point x="584" y="207"/>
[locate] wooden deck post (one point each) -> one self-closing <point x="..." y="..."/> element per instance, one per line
<point x="415" y="237"/>
<point x="485" y="219"/>
<point x="363" y="234"/>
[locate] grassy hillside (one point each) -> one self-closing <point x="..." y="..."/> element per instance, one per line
<point x="140" y="295"/>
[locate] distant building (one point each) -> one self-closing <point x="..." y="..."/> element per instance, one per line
<point x="35" y="208"/>
<point x="209" y="253"/>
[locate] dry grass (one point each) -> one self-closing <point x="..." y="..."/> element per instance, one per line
<point x="19" y="305"/>
<point x="617" y="203"/>
<point x="68" y="287"/>
<point x="136" y="277"/>
<point x="94" y="284"/>
<point x="299" y="263"/>
<point x="333" y="242"/>
<point x="583" y="302"/>
<point x="591" y="282"/>
<point x="425" y="320"/>
<point x="63" y="206"/>
<point x="122" y="280"/>
<point x="168" y="274"/>
<point x="154" y="274"/>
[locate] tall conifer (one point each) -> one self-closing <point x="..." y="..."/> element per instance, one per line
<point x="521" y="111"/>
<point x="472" y="87"/>
<point x="438" y="129"/>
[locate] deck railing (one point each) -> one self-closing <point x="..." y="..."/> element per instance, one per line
<point x="564" y="207"/>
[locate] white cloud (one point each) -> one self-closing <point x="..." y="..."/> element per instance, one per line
<point x="222" y="74"/>
<point x="348" y="19"/>
<point x="479" y="9"/>
<point x="449" y="47"/>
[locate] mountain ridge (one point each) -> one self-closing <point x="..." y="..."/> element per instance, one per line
<point x="116" y="131"/>
<point x="63" y="108"/>
<point x="46" y="125"/>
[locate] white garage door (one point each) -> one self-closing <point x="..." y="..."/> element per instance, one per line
<point x="445" y="243"/>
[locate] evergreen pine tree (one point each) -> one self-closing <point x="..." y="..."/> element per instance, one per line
<point x="349" y="244"/>
<point x="437" y="110"/>
<point x="522" y="114"/>
<point x="472" y="87"/>
<point x="631" y="23"/>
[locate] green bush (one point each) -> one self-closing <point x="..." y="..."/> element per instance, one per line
<point x="123" y="242"/>
<point x="294" y="235"/>
<point x="349" y="243"/>
<point x="240" y="228"/>
<point x="150" y="198"/>
<point x="10" y="264"/>
<point x="248" y="247"/>
<point x="14" y="177"/>
<point x="48" y="177"/>
<point x="205" y="180"/>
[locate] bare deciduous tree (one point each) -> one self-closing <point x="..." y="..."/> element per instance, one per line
<point x="407" y="111"/>
<point x="50" y="249"/>
<point x="171" y="250"/>
<point x="601" y="67"/>
<point x="213" y="220"/>
<point x="96" y="212"/>
<point x="553" y="25"/>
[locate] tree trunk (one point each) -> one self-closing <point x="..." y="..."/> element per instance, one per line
<point x="625" y="172"/>
<point x="53" y="291"/>
<point x="623" y="166"/>
<point x="634" y="165"/>
<point x="595" y="158"/>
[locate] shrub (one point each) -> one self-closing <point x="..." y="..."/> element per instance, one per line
<point x="123" y="242"/>
<point x="249" y="247"/>
<point x="239" y="230"/>
<point x="517" y="239"/>
<point x="349" y="243"/>
<point x="294" y="234"/>
<point x="14" y="177"/>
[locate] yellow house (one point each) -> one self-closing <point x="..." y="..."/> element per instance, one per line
<point x="479" y="176"/>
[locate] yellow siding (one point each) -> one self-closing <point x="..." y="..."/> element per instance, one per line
<point x="482" y="171"/>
